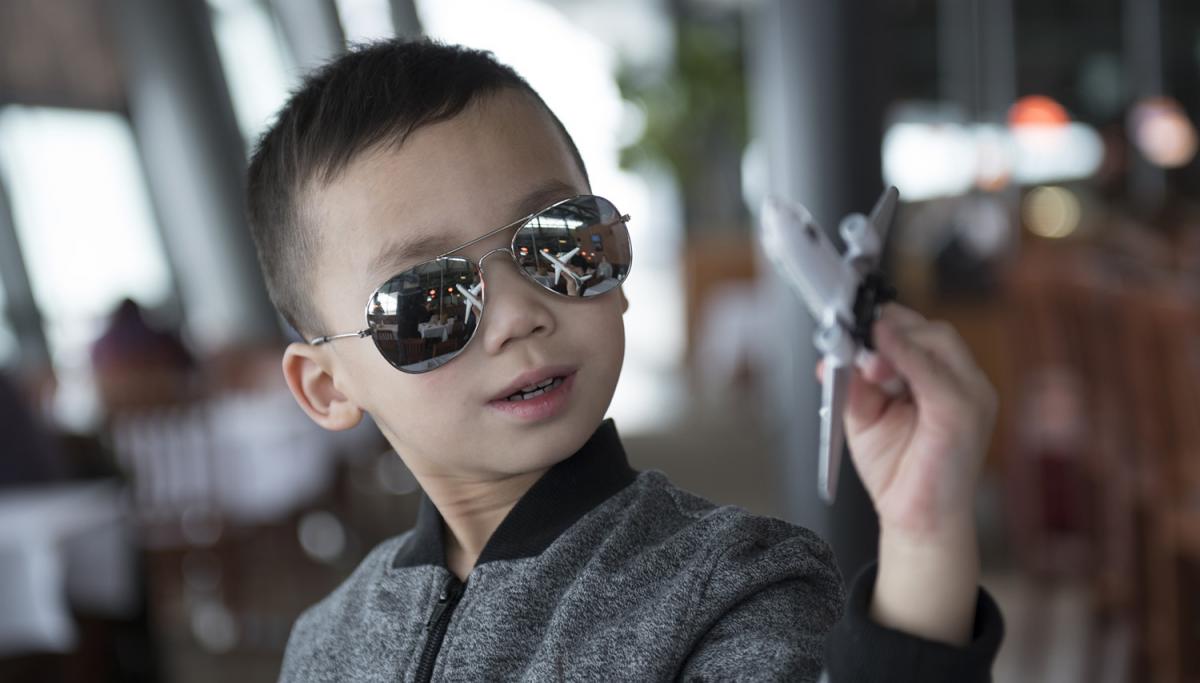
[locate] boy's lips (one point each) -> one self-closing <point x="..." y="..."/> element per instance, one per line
<point x="530" y="377"/>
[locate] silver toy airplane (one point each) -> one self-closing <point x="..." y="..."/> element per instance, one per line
<point x="560" y="266"/>
<point x="843" y="293"/>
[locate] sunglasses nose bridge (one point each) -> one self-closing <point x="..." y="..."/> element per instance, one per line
<point x="507" y="250"/>
<point x="498" y="250"/>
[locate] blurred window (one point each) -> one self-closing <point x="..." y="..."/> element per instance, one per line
<point x="86" y="227"/>
<point x="254" y="59"/>
<point x="365" y="20"/>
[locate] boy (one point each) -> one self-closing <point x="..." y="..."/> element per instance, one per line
<point x="428" y="184"/>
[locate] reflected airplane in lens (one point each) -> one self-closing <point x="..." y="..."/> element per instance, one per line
<point x="560" y="265"/>
<point x="472" y="297"/>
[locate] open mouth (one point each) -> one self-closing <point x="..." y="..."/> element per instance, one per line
<point x="535" y="390"/>
<point x="537" y="402"/>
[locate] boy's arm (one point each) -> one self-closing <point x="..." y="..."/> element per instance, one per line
<point x="919" y="615"/>
<point x="919" y="457"/>
<point x="861" y="650"/>
<point x="928" y="587"/>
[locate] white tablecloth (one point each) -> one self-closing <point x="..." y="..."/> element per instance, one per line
<point x="431" y="329"/>
<point x="61" y="544"/>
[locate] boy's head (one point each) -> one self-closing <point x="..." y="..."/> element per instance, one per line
<point x="394" y="142"/>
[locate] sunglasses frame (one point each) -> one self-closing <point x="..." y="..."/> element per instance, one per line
<point x="477" y="265"/>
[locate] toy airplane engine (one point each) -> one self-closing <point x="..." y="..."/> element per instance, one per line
<point x="843" y="292"/>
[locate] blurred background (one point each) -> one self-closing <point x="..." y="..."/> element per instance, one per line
<point x="166" y="510"/>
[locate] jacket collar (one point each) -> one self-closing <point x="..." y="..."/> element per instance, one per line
<point x="566" y="492"/>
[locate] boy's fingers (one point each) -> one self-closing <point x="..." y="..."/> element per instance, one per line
<point x="865" y="402"/>
<point x="901" y="316"/>
<point x="941" y="337"/>
<point x="930" y="357"/>
<point x="928" y="375"/>
<point x="952" y="350"/>
<point x="875" y="368"/>
<point x="944" y="351"/>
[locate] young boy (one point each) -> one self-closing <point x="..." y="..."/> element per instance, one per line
<point x="431" y="188"/>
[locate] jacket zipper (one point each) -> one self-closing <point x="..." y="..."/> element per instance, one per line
<point x="439" y="620"/>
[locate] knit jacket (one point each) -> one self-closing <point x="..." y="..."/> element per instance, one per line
<point x="603" y="573"/>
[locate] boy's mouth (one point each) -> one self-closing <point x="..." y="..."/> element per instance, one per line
<point x="534" y="383"/>
<point x="537" y="401"/>
<point x="534" y="391"/>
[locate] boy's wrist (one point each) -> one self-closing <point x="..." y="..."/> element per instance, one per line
<point x="927" y="585"/>
<point x="948" y="535"/>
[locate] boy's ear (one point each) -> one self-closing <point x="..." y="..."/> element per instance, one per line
<point x="307" y="372"/>
<point x="624" y="301"/>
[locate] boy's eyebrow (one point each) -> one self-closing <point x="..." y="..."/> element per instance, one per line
<point x="430" y="245"/>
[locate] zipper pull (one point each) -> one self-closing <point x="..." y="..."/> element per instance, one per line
<point x="451" y="591"/>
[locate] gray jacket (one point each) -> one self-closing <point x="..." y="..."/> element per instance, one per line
<point x="598" y="573"/>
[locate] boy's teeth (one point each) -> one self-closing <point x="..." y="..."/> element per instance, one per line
<point x="535" y="390"/>
<point x="543" y="383"/>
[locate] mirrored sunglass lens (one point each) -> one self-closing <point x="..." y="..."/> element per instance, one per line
<point x="423" y="317"/>
<point x="577" y="248"/>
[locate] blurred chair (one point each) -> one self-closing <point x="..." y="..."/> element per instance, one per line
<point x="1115" y="498"/>
<point x="222" y="463"/>
<point x="415" y="348"/>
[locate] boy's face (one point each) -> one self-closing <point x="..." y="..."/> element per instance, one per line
<point x="494" y="163"/>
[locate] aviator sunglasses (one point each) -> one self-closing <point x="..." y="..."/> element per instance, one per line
<point x="423" y="317"/>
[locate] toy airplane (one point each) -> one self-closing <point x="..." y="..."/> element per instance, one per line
<point x="843" y="293"/>
<point x="560" y="266"/>
<point x="472" y="297"/>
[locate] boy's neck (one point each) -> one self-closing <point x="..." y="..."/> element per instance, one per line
<point x="472" y="511"/>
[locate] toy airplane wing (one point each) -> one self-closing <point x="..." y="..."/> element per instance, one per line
<point x="834" y="388"/>
<point x="884" y="213"/>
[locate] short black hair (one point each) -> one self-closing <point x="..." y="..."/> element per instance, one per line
<point x="375" y="94"/>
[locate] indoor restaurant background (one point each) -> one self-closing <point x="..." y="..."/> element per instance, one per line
<point x="166" y="509"/>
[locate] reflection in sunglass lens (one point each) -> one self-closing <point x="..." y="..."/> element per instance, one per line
<point x="424" y="316"/>
<point x="578" y="248"/>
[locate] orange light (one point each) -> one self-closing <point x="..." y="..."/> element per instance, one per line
<point x="1037" y="110"/>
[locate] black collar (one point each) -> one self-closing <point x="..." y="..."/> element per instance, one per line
<point x="566" y="492"/>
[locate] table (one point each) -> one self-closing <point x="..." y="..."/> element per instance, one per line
<point x="62" y="544"/>
<point x="432" y="329"/>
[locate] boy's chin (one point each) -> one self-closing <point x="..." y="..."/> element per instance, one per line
<point x="539" y="449"/>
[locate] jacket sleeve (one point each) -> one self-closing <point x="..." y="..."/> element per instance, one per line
<point x="763" y="614"/>
<point x="859" y="650"/>
<point x="775" y="610"/>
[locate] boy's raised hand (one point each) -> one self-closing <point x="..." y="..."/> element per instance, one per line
<point x="919" y="456"/>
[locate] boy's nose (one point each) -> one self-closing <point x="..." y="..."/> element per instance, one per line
<point x="514" y="307"/>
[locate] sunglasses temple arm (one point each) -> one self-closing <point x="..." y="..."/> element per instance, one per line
<point x="317" y="341"/>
